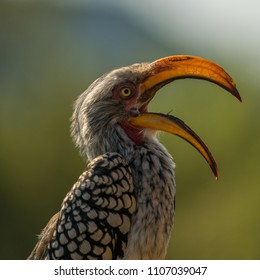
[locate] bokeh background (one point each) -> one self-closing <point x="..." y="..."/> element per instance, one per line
<point x="50" y="51"/>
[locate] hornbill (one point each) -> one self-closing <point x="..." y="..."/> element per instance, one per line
<point x="122" y="206"/>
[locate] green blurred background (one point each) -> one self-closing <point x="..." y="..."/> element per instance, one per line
<point x="50" y="51"/>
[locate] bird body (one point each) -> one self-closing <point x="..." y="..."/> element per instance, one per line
<point x="141" y="199"/>
<point x="122" y="206"/>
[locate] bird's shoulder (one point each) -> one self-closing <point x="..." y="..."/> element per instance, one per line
<point x="95" y="216"/>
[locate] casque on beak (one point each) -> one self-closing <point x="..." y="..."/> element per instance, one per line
<point x="166" y="70"/>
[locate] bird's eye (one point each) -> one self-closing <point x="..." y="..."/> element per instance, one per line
<point x="126" y="92"/>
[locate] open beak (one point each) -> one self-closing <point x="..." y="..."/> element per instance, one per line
<point x="166" y="70"/>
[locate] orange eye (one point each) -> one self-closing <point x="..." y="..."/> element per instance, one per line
<point x="126" y="92"/>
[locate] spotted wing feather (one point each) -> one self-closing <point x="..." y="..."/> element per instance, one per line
<point x="95" y="217"/>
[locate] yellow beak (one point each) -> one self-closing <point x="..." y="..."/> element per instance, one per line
<point x="166" y="70"/>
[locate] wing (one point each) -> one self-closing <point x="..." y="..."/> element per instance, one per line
<point x="95" y="217"/>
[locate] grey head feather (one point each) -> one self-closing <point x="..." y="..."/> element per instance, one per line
<point x="96" y="113"/>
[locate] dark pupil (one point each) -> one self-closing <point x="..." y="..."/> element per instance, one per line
<point x="126" y="91"/>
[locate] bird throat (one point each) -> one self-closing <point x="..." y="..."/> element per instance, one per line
<point x="134" y="133"/>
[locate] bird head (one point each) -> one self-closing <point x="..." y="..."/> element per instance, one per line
<point x="120" y="98"/>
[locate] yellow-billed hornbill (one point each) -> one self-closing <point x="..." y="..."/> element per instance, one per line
<point x="122" y="206"/>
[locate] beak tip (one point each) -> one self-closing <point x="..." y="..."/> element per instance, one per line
<point x="233" y="90"/>
<point x="237" y="95"/>
<point x="214" y="168"/>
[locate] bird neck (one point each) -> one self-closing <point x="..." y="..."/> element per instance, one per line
<point x="118" y="138"/>
<point x="109" y="140"/>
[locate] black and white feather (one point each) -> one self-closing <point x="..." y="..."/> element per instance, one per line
<point x="95" y="217"/>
